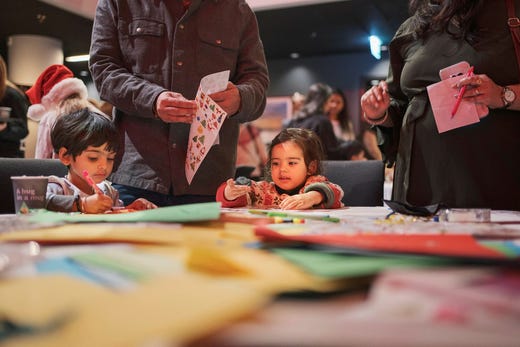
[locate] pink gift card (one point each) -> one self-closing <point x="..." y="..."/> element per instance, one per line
<point x="443" y="98"/>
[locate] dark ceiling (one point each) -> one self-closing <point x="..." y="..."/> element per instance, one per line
<point x="331" y="28"/>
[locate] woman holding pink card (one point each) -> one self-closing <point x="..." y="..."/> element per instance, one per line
<point x="473" y="165"/>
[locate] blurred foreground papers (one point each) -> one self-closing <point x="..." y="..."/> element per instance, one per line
<point x="175" y="214"/>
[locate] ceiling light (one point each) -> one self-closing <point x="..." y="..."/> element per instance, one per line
<point x="77" y="58"/>
<point x="375" y="46"/>
<point x="294" y="55"/>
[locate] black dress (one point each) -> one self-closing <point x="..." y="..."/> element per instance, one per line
<point x="472" y="166"/>
<point x="16" y="129"/>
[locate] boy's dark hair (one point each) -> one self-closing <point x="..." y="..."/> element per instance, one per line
<point x="306" y="139"/>
<point x="78" y="130"/>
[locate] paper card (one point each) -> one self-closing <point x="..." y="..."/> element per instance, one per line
<point x="208" y="120"/>
<point x="443" y="98"/>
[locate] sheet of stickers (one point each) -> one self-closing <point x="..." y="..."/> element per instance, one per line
<point x="204" y="131"/>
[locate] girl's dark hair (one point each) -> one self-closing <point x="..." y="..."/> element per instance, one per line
<point x="436" y="16"/>
<point x="78" y="130"/>
<point x="306" y="139"/>
<point x="343" y="117"/>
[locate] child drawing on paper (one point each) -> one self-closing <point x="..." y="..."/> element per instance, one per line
<point x="86" y="142"/>
<point x="293" y="177"/>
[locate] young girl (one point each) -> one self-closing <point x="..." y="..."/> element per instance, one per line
<point x="294" y="168"/>
<point x="86" y="141"/>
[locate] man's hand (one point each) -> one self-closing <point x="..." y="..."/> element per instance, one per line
<point x="173" y="107"/>
<point x="228" y="99"/>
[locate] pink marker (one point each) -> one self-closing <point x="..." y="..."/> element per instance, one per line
<point x="91" y="182"/>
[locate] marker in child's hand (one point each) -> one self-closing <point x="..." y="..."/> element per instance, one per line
<point x="242" y="181"/>
<point x="91" y="182"/>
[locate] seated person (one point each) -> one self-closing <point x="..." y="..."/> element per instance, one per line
<point x="86" y="142"/>
<point x="354" y="150"/>
<point x="294" y="180"/>
<point x="251" y="150"/>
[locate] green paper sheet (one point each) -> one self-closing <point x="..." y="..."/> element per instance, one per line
<point x="173" y="214"/>
<point x="335" y="265"/>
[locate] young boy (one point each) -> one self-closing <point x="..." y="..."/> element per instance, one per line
<point x="86" y="142"/>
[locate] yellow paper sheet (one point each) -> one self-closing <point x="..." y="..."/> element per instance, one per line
<point x="167" y="310"/>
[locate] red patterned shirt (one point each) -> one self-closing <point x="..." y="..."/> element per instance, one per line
<point x="264" y="194"/>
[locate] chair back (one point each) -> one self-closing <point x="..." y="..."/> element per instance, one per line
<point x="28" y="167"/>
<point x="362" y="181"/>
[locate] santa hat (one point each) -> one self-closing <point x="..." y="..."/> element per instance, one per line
<point x="60" y="91"/>
<point x="46" y="81"/>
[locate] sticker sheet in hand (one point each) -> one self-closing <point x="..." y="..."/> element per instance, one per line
<point x="208" y="120"/>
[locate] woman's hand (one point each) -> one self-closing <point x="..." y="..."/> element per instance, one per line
<point x="301" y="201"/>
<point x="375" y="101"/>
<point x="481" y="90"/>
<point x="233" y="191"/>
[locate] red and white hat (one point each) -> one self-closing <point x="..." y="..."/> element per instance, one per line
<point x="47" y="79"/>
<point x="57" y="92"/>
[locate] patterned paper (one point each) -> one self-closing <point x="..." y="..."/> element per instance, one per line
<point x="208" y="120"/>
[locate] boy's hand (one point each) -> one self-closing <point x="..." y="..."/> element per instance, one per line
<point x="97" y="203"/>
<point x="234" y="190"/>
<point x="301" y="201"/>
<point x="141" y="204"/>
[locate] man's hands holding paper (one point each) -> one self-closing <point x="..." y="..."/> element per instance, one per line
<point x="228" y="99"/>
<point x="172" y="107"/>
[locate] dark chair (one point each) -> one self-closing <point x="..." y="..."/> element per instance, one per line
<point x="28" y="167"/>
<point x="362" y="181"/>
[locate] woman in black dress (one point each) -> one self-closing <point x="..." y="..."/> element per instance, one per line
<point x="472" y="166"/>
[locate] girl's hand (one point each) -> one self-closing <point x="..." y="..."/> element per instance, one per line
<point x="301" y="201"/>
<point x="233" y="191"/>
<point x="141" y="204"/>
<point x="375" y="101"/>
<point x="96" y="203"/>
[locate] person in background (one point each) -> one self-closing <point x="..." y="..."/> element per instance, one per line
<point x="355" y="151"/>
<point x="473" y="166"/>
<point x="294" y="177"/>
<point x="147" y="59"/>
<point x="336" y="109"/>
<point x="251" y="150"/>
<point x="297" y="100"/>
<point x="85" y="140"/>
<point x="13" y="128"/>
<point x="312" y="116"/>
<point x="56" y="92"/>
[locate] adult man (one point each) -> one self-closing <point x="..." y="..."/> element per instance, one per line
<point x="147" y="59"/>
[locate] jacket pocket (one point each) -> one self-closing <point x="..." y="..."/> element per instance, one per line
<point x="144" y="45"/>
<point x="217" y="51"/>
